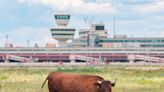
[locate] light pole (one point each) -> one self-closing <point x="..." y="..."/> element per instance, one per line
<point x="28" y="43"/>
<point x="114" y="27"/>
<point x="7" y="39"/>
<point x="6" y="60"/>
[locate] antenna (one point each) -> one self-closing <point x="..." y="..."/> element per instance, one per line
<point x="93" y="19"/>
<point x="28" y="43"/>
<point x="7" y="37"/>
<point x="90" y="21"/>
<point x="85" y="19"/>
<point x="114" y="29"/>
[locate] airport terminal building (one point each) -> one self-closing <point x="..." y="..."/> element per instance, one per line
<point x="97" y="36"/>
<point x="93" y="45"/>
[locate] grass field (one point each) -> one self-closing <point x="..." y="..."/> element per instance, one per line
<point x="131" y="79"/>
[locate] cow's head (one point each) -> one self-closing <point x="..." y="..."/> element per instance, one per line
<point x="105" y="86"/>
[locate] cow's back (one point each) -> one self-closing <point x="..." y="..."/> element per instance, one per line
<point x="64" y="82"/>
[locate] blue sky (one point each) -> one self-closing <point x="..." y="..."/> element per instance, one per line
<point x="24" y="20"/>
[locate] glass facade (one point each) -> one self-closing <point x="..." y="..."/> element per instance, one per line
<point x="131" y="40"/>
<point x="63" y="30"/>
<point x="134" y="42"/>
<point x="62" y="34"/>
<point x="62" y="16"/>
<point x="84" y="32"/>
<point x="99" y="28"/>
<point x="153" y="45"/>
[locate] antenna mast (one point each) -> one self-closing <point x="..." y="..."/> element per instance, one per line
<point x="7" y="37"/>
<point x="114" y="29"/>
<point x="85" y="19"/>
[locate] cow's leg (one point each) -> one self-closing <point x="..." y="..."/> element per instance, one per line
<point x="52" y="89"/>
<point x="55" y="91"/>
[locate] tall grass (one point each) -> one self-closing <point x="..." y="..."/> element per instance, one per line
<point x="128" y="80"/>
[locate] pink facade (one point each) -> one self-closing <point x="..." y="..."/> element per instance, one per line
<point x="107" y="45"/>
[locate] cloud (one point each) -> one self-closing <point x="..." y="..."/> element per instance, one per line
<point x="20" y="36"/>
<point x="154" y="7"/>
<point x="139" y="28"/>
<point x="2" y="40"/>
<point x="77" y="6"/>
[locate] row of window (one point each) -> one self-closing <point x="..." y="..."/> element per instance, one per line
<point x="113" y="40"/>
<point x="62" y="32"/>
<point x="72" y="30"/>
<point x="62" y="36"/>
<point x="62" y="16"/>
<point x="84" y="32"/>
<point x="81" y="49"/>
<point x="99" y="27"/>
<point x="153" y="45"/>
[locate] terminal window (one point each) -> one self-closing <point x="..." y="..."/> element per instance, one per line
<point x="62" y="16"/>
<point x="99" y="28"/>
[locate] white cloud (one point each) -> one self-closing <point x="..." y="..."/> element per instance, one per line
<point x="19" y="37"/>
<point x="156" y="6"/>
<point x="128" y="22"/>
<point x="138" y="28"/>
<point x="2" y="40"/>
<point x="78" y="6"/>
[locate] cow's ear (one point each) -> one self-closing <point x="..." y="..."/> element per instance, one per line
<point x="98" y="84"/>
<point x="113" y="84"/>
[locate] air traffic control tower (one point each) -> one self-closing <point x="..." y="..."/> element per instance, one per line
<point x="62" y="33"/>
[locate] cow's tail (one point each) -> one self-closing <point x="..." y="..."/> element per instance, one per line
<point x="44" y="82"/>
<point x="43" y="85"/>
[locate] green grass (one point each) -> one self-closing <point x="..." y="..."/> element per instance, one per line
<point x="128" y="80"/>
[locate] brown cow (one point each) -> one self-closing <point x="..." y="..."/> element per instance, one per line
<point x="65" y="82"/>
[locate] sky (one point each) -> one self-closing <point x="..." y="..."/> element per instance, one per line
<point x="24" y="20"/>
